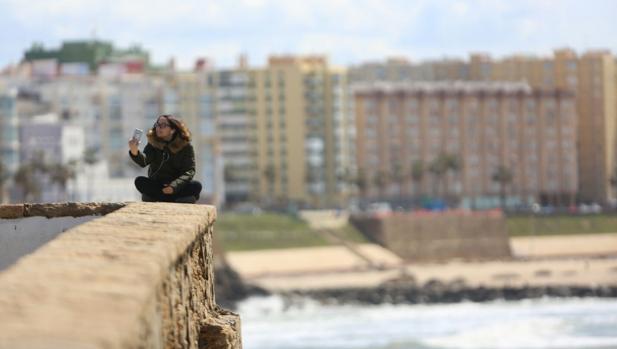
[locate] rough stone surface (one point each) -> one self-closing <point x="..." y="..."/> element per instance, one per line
<point x="439" y="236"/>
<point x="139" y="277"/>
<point x="58" y="209"/>
<point x="11" y="211"/>
<point x="70" y="209"/>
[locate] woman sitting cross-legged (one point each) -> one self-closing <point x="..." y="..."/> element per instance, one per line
<point x="171" y="158"/>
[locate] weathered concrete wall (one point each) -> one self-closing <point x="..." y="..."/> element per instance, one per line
<point x="26" y="227"/>
<point x="139" y="277"/>
<point x="439" y="236"/>
<point x="18" y="237"/>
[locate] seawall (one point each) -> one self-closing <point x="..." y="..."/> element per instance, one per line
<point x="141" y="276"/>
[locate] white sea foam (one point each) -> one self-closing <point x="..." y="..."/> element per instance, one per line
<point x="274" y="323"/>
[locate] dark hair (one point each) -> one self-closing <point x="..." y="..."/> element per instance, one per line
<point x="181" y="130"/>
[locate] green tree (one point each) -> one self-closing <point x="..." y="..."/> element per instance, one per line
<point x="398" y="177"/>
<point x="613" y="180"/>
<point x="229" y="174"/>
<point x="26" y="178"/>
<point x="381" y="180"/>
<point x="504" y="177"/>
<point x="361" y="182"/>
<point x="453" y="165"/>
<point x="269" y="175"/>
<point x="90" y="157"/>
<point x="417" y="175"/>
<point x="438" y="168"/>
<point x="61" y="174"/>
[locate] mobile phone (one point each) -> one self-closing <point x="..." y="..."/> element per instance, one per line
<point x="137" y="134"/>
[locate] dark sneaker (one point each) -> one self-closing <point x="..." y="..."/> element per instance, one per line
<point x="146" y="198"/>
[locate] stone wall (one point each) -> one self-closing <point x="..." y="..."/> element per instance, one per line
<point x="138" y="277"/>
<point x="439" y="236"/>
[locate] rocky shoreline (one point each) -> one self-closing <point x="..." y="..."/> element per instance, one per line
<point x="436" y="291"/>
<point x="231" y="289"/>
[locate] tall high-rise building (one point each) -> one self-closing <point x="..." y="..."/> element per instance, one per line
<point x="591" y="77"/>
<point x="9" y="136"/>
<point x="303" y="131"/>
<point x="405" y="132"/>
<point x="597" y="106"/>
<point x="234" y="99"/>
<point x="190" y="96"/>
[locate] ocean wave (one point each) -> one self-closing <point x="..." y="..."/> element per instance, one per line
<point x="276" y="322"/>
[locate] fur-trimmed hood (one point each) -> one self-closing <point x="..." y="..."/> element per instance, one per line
<point x="176" y="144"/>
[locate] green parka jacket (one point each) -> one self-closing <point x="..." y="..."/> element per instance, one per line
<point x="170" y="162"/>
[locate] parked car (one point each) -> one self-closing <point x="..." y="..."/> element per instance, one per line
<point x="247" y="208"/>
<point x="594" y="207"/>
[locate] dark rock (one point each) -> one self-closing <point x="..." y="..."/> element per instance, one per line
<point x="230" y="288"/>
<point x="436" y="291"/>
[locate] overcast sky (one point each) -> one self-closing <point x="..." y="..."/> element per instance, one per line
<point x="347" y="31"/>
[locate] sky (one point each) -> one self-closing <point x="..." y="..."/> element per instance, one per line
<point x="346" y="31"/>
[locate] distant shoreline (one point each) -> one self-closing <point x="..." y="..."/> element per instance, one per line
<point x="548" y="266"/>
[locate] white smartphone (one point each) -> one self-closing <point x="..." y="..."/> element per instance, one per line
<point x="137" y="134"/>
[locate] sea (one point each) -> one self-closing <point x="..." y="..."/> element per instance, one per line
<point x="274" y="322"/>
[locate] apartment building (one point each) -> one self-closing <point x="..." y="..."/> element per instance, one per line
<point x="591" y="76"/>
<point x="9" y="137"/>
<point x="303" y="131"/>
<point x="485" y="126"/>
<point x="233" y="98"/>
<point x="191" y="97"/>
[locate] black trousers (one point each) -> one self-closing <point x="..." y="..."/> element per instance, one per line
<point x="154" y="190"/>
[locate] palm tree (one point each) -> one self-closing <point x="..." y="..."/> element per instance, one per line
<point x="361" y="182"/>
<point x="438" y="169"/>
<point x="61" y="174"/>
<point x="381" y="181"/>
<point x="504" y="176"/>
<point x="453" y="165"/>
<point x="270" y="175"/>
<point x="398" y="177"/>
<point x="417" y="174"/>
<point x="229" y="174"/>
<point x="90" y="157"/>
<point x="25" y="178"/>
<point x="346" y="178"/>
<point x="613" y="179"/>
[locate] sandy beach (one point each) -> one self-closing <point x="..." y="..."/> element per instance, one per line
<point x="572" y="260"/>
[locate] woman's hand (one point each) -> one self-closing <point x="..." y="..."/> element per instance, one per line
<point x="168" y="190"/>
<point x="133" y="146"/>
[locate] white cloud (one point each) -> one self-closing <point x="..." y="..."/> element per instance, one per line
<point x="347" y="30"/>
<point x="355" y="48"/>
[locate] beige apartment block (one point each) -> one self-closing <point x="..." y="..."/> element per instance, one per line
<point x="597" y="102"/>
<point x="484" y="125"/>
<point x="303" y="131"/>
<point x="189" y="96"/>
<point x="591" y="76"/>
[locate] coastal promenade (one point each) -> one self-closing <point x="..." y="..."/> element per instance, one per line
<point x="568" y="260"/>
